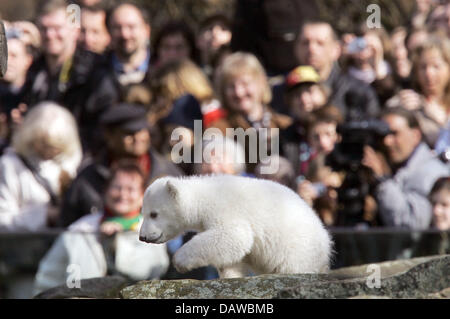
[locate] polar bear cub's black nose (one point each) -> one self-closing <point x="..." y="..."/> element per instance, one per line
<point x="144" y="239"/>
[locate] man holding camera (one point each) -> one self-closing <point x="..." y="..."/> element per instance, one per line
<point x="403" y="180"/>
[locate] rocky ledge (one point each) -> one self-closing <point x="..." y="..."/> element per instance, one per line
<point x="427" y="277"/>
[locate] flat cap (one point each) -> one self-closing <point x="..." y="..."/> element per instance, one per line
<point x="126" y="116"/>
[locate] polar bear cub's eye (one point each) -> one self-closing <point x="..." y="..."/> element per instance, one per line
<point x="153" y="215"/>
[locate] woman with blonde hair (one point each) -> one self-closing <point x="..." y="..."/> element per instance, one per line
<point x="244" y="93"/>
<point x="430" y="98"/>
<point x="36" y="170"/>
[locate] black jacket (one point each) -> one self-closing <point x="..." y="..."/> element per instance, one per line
<point x="88" y="91"/>
<point x="85" y="195"/>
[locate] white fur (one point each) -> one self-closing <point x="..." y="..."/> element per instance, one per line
<point x="243" y="224"/>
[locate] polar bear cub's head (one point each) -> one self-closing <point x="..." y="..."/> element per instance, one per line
<point x="161" y="212"/>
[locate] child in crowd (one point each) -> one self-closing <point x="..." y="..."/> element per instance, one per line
<point x="303" y="92"/>
<point x="440" y="199"/>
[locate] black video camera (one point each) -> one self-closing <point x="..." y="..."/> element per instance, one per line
<point x="347" y="154"/>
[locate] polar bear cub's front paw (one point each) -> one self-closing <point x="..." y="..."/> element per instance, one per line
<point x="181" y="261"/>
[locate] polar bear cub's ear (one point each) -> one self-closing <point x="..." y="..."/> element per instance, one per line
<point x="172" y="190"/>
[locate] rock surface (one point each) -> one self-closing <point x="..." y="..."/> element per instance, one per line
<point x="426" y="277"/>
<point x="95" y="288"/>
<point x="422" y="278"/>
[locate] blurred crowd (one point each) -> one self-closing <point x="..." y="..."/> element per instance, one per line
<point x="88" y="112"/>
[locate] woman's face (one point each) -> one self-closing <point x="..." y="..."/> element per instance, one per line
<point x="244" y="93"/>
<point x="433" y="73"/>
<point x="441" y="209"/>
<point x="125" y="193"/>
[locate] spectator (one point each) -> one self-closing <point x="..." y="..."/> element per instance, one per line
<point x="129" y="59"/>
<point x="37" y="170"/>
<point x="175" y="41"/>
<point x="439" y="20"/>
<point x="316" y="181"/>
<point x="268" y="30"/>
<point x="303" y="91"/>
<point x="399" y="58"/>
<point x="440" y="200"/>
<point x="222" y="155"/>
<point x="317" y="45"/>
<point x="126" y="136"/>
<point x="70" y="77"/>
<point x="175" y="80"/>
<point x="244" y="94"/>
<point x="284" y="175"/>
<point x="402" y="183"/>
<point x="82" y="245"/>
<point x="94" y="34"/>
<point x="177" y="92"/>
<point x="416" y="38"/>
<point x="214" y="33"/>
<point x="366" y="61"/>
<point x="20" y="57"/>
<point x="430" y="98"/>
<point x="422" y="10"/>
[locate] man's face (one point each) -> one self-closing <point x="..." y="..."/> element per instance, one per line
<point x="94" y="35"/>
<point x="132" y="144"/>
<point x="58" y="34"/>
<point x="18" y="60"/>
<point x="402" y="141"/>
<point x="129" y="32"/>
<point x="316" y="46"/>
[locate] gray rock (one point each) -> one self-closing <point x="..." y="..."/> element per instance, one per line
<point x="427" y="277"/>
<point x="98" y="288"/>
<point x="414" y="278"/>
<point x="3" y="50"/>
<point x="264" y="286"/>
<point x="403" y="279"/>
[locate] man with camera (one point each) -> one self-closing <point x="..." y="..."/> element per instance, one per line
<point x="402" y="181"/>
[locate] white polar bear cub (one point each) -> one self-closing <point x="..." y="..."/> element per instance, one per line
<point x="243" y="223"/>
